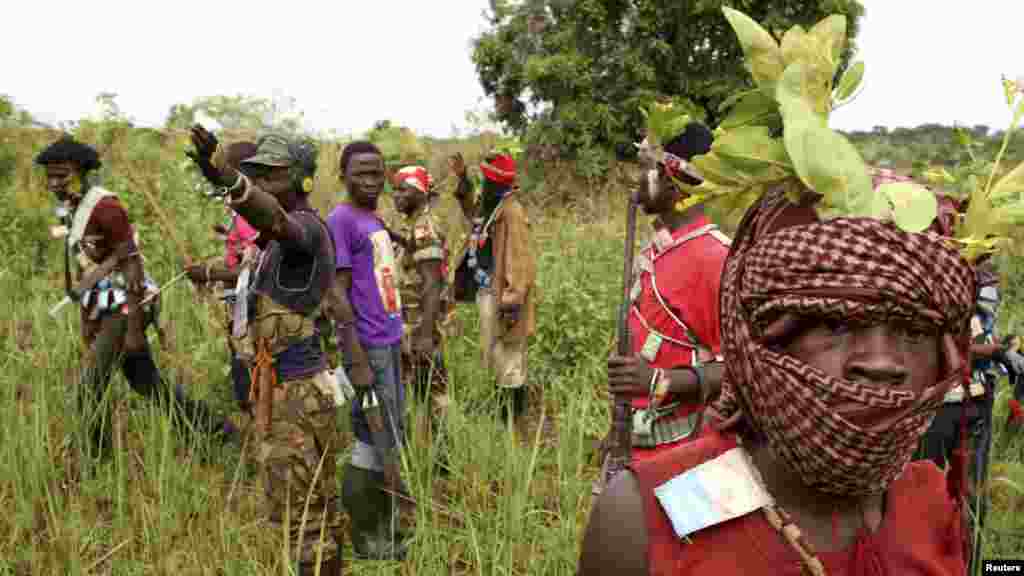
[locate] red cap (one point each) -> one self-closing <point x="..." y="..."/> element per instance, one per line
<point x="501" y="169"/>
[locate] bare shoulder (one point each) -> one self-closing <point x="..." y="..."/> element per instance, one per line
<point x="615" y="542"/>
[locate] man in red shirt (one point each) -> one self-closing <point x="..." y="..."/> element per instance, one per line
<point x="836" y="367"/>
<point x="673" y="321"/>
<point x="117" y="299"/>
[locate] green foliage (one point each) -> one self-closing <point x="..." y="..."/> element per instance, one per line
<point x="240" y="113"/>
<point x="995" y="210"/>
<point x="7" y="151"/>
<point x="794" y="82"/>
<point x="912" y="207"/>
<point x="589" y="67"/>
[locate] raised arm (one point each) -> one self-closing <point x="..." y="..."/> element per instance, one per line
<point x="260" y="209"/>
<point x="464" y="192"/>
<point x="266" y="215"/>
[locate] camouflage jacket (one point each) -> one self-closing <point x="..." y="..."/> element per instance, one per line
<point x="424" y="232"/>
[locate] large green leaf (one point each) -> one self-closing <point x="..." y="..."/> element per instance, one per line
<point x="753" y="150"/>
<point x="823" y="159"/>
<point x="763" y="57"/>
<point x="913" y="207"/>
<point x="1010" y="185"/>
<point x="976" y="222"/>
<point x="664" y="121"/>
<point x="830" y="35"/>
<point x="795" y="45"/>
<point x="850" y="81"/>
<point x="755" y="108"/>
<point x="717" y="172"/>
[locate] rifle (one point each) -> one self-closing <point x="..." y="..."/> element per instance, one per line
<point x="620" y="451"/>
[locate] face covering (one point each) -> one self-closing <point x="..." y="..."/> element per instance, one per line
<point x="861" y="270"/>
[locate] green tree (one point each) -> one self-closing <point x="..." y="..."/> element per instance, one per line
<point x="588" y="67"/>
<point x="240" y="112"/>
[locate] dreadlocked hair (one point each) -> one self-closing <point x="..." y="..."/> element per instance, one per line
<point x="67" y="149"/>
<point x="357" y="147"/>
<point x="694" y="140"/>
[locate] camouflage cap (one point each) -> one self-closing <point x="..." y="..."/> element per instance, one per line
<point x="272" y="150"/>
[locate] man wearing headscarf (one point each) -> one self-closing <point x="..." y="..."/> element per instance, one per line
<point x="842" y="338"/>
<point x="499" y="267"/>
<point x="423" y="262"/>
<point x="118" y="301"/>
<point x="674" y="325"/>
<point x="296" y="408"/>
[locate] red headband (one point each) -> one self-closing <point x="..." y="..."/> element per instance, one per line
<point x="501" y="169"/>
<point x="415" y="176"/>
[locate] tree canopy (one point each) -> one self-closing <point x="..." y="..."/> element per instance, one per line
<point x="587" y="67"/>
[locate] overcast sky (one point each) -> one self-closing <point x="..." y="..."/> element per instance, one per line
<point x="349" y="63"/>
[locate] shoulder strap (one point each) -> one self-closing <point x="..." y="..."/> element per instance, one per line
<point x="720" y="236"/>
<point x="84" y="212"/>
<point x="708" y="229"/>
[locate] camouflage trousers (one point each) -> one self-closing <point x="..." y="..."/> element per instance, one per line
<point x="302" y="433"/>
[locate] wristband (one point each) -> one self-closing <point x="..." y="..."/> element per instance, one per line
<point x="242" y="182"/>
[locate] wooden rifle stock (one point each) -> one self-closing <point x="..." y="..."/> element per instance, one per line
<point x="620" y="451"/>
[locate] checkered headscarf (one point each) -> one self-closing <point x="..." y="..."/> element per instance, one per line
<point x="784" y="261"/>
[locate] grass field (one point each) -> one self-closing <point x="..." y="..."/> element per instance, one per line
<point x="166" y="505"/>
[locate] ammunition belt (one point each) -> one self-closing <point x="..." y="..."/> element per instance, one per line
<point x="662" y="426"/>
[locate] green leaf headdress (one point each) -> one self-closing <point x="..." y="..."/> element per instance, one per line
<point x="793" y="92"/>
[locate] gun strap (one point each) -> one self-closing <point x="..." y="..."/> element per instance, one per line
<point x="264" y="380"/>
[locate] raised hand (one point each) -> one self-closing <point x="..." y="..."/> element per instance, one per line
<point x="457" y="164"/>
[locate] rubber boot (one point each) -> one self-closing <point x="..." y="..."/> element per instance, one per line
<point x="372" y="513"/>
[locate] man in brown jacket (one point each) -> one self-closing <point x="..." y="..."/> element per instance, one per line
<point x="498" y="265"/>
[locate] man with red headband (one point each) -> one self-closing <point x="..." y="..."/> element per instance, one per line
<point x="423" y="262"/>
<point x="839" y="356"/>
<point x="676" y="364"/>
<point x="498" y="266"/>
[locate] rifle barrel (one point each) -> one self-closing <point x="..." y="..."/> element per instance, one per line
<point x="621" y="448"/>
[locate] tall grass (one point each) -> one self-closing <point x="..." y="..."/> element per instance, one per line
<point x="173" y="504"/>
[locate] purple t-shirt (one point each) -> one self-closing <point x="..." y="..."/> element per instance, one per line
<point x="364" y="247"/>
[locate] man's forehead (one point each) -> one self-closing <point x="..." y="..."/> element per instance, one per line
<point x="59" y="168"/>
<point x="366" y="160"/>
